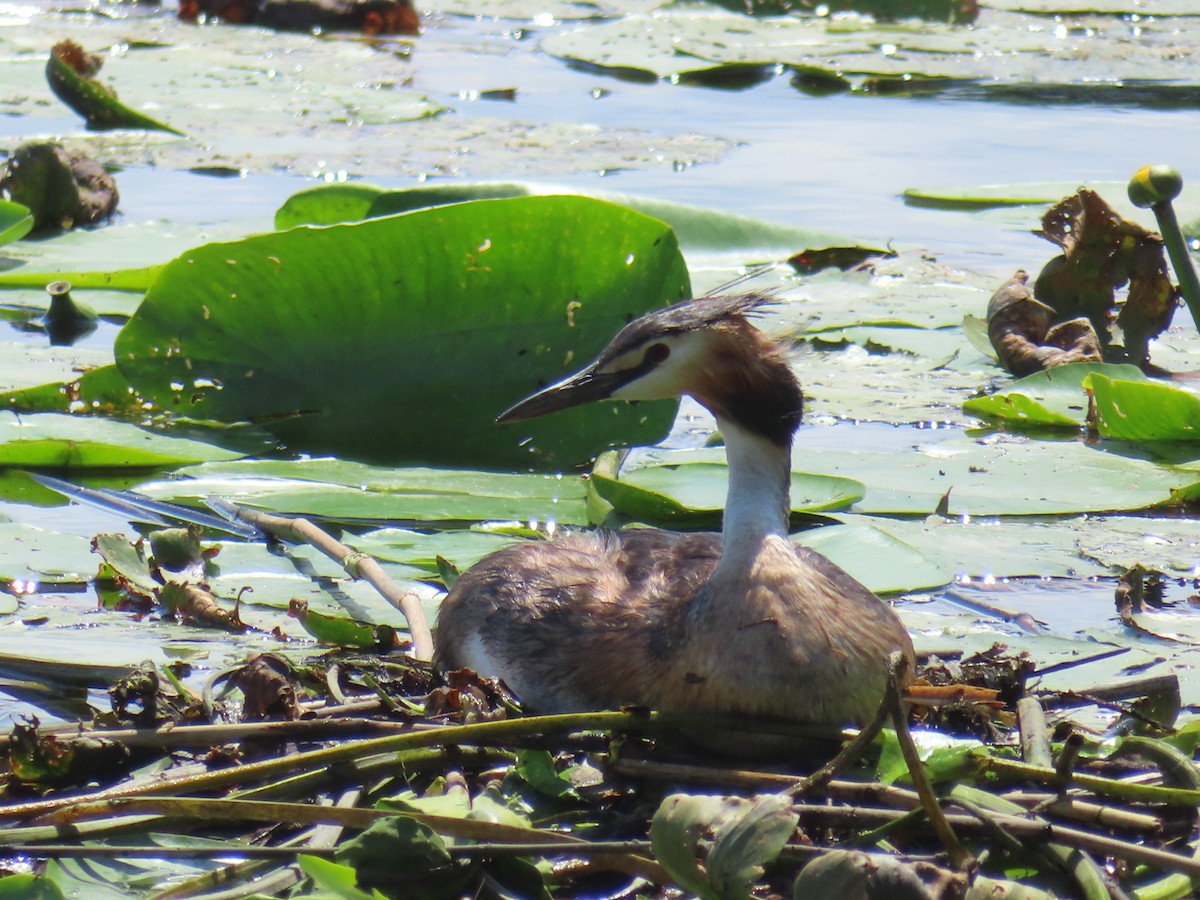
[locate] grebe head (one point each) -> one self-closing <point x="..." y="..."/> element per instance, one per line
<point x="705" y="348"/>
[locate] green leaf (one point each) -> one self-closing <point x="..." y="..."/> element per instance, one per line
<point x="128" y="561"/>
<point x="343" y="632"/>
<point x="975" y="330"/>
<point x="1144" y="410"/>
<point x="102" y="389"/>
<point x="998" y="475"/>
<point x="327" y="204"/>
<point x="64" y="442"/>
<point x="747" y="834"/>
<point x="988" y="196"/>
<point x="675" y="832"/>
<point x="117" y="280"/>
<point x="754" y="840"/>
<point x="536" y="767"/>
<point x="1053" y="398"/>
<point x="28" y="887"/>
<point x="335" y="489"/>
<point x="693" y="495"/>
<point x="42" y="555"/>
<point x="15" y="221"/>
<point x="696" y="228"/>
<point x="881" y="561"/>
<point x="96" y="102"/>
<point x="337" y="879"/>
<point x="395" y="843"/>
<point x="410" y="355"/>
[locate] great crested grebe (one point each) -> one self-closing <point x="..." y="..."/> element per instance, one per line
<point x="744" y="622"/>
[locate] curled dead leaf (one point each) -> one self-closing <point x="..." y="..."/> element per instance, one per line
<point x="195" y="603"/>
<point x="1021" y="330"/>
<point x="268" y="688"/>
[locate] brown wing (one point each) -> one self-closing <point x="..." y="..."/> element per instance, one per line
<point x="583" y="604"/>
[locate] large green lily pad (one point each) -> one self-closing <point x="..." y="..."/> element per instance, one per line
<point x="998" y="475"/>
<point x="338" y="489"/>
<point x="697" y="229"/>
<point x="65" y="442"/>
<point x="402" y="338"/>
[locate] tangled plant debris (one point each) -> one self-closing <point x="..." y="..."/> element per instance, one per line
<point x="1069" y="315"/>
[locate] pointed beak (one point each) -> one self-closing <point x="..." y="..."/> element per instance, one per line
<point x="585" y="387"/>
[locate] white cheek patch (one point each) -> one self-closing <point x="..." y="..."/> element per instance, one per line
<point x="671" y="377"/>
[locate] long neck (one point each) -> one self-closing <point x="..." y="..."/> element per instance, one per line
<point x="758" y="503"/>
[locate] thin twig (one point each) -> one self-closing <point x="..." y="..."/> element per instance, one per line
<point x="1035" y="738"/>
<point x="916" y="769"/>
<point x="356" y="563"/>
<point x="207" y="810"/>
<point x="1104" y="787"/>
<point x="1102" y="816"/>
<point x="847" y="756"/>
<point x="821" y="816"/>
<point x="233" y="850"/>
<point x="480" y="732"/>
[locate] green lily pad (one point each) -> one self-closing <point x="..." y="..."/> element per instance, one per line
<point x="306" y="104"/>
<point x="1142" y="410"/>
<point x="419" y="551"/>
<point x="880" y="560"/>
<point x="118" y="280"/>
<point x="986" y="196"/>
<point x="64" y="442"/>
<point x="1003" y="53"/>
<point x="373" y="355"/>
<point x="1054" y="398"/>
<point x="998" y="475"/>
<point x="71" y="73"/>
<point x="102" y="389"/>
<point x="696" y="228"/>
<point x="52" y="365"/>
<point x="337" y="489"/>
<point x="15" y="221"/>
<point x="44" y="556"/>
<point x="692" y="496"/>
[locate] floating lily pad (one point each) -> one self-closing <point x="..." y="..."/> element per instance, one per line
<point x="100" y="390"/>
<point x="1054" y="398"/>
<point x="333" y="340"/>
<point x="1001" y="52"/>
<point x="880" y="560"/>
<point x="117" y="280"/>
<point x="64" y="442"/>
<point x="20" y="368"/>
<point x="344" y="490"/>
<point x="1142" y="410"/>
<point x="419" y="551"/>
<point x="986" y="196"/>
<point x="696" y="228"/>
<point x="693" y="495"/>
<point x="999" y="475"/>
<point x="44" y="556"/>
<point x="307" y="104"/>
<point x="15" y="221"/>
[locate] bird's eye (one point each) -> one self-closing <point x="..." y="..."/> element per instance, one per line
<point x="657" y="353"/>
